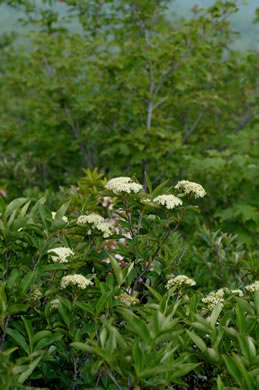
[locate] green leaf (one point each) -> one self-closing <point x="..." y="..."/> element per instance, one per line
<point x="25" y="208"/>
<point x="27" y="281"/>
<point x="62" y="210"/>
<point x="40" y="335"/>
<point x="247" y="347"/>
<point x="256" y="300"/>
<point x="149" y="184"/>
<point x="85" y="307"/>
<point x="184" y="369"/>
<point x="220" y="385"/>
<point x="82" y="347"/>
<point x="245" y="305"/>
<point x="2" y="205"/>
<point x="18" y="338"/>
<point x="215" y="314"/>
<point x="232" y="369"/>
<point x="29" y="331"/>
<point x="14" y="205"/>
<point x="17" y="308"/>
<point x="101" y="303"/>
<point x="198" y="341"/>
<point x="138" y="357"/>
<point x="44" y="342"/>
<point x="28" y="372"/>
<point x="3" y="300"/>
<point x="63" y="311"/>
<point x="240" y="318"/>
<point x="137" y="325"/>
<point x="250" y="384"/>
<point x="13" y="278"/>
<point x="53" y="267"/>
<point x="154" y="293"/>
<point x="117" y="270"/>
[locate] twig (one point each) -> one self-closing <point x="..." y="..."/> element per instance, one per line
<point x="148" y="265"/>
<point x="196" y="123"/>
<point x="177" y="262"/>
<point x="113" y="379"/>
<point x="4" y="332"/>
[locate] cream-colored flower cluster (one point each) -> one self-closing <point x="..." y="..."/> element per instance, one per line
<point x="253" y="287"/>
<point x="36" y="294"/>
<point x="128" y="299"/>
<point x="53" y="215"/>
<point x="75" y="280"/>
<point x="61" y="254"/>
<point x="238" y="292"/>
<point x="180" y="281"/>
<point x="169" y="201"/>
<point x="123" y="184"/>
<point x="54" y="304"/>
<point x="190" y="187"/>
<point x="146" y="201"/>
<point x="96" y="221"/>
<point x="214" y="298"/>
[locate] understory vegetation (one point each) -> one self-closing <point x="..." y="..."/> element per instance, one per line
<point x="128" y="199"/>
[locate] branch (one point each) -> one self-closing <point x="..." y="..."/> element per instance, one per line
<point x="148" y="265"/>
<point x="160" y="102"/>
<point x="246" y="117"/>
<point x="173" y="68"/>
<point x="113" y="379"/>
<point x="194" y="126"/>
<point x="4" y="332"/>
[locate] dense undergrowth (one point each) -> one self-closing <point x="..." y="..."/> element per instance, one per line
<point x="108" y="292"/>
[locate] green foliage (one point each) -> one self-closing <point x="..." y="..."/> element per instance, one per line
<point x="108" y="310"/>
<point x="133" y="92"/>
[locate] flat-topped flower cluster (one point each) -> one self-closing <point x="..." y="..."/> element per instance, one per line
<point x="96" y="222"/>
<point x="253" y="287"/>
<point x="169" y="201"/>
<point x="123" y="184"/>
<point x="214" y="298"/>
<point x="190" y="187"/>
<point x="180" y="281"/>
<point x="75" y="280"/>
<point x="61" y="254"/>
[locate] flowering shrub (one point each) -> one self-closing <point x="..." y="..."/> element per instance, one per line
<point x="92" y="297"/>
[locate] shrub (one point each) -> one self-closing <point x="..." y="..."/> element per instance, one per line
<point x="94" y="298"/>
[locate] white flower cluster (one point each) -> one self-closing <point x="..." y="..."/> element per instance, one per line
<point x="146" y="201"/>
<point x="190" y="187"/>
<point x="75" y="280"/>
<point x="169" y="201"/>
<point x="238" y="292"/>
<point x="53" y="214"/>
<point x="96" y="221"/>
<point x="253" y="287"/>
<point x="62" y="254"/>
<point x="54" y="304"/>
<point x="179" y="281"/>
<point x="123" y="184"/>
<point x="214" y="298"/>
<point x="128" y="299"/>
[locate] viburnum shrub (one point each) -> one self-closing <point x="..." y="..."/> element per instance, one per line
<point x="94" y="298"/>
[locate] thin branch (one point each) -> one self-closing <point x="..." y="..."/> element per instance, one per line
<point x="177" y="262"/>
<point x="247" y="116"/>
<point x="160" y="102"/>
<point x="113" y="379"/>
<point x="173" y="68"/>
<point x="4" y="332"/>
<point x="149" y="264"/>
<point x="194" y="126"/>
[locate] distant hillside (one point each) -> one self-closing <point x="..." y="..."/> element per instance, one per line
<point x="241" y="22"/>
